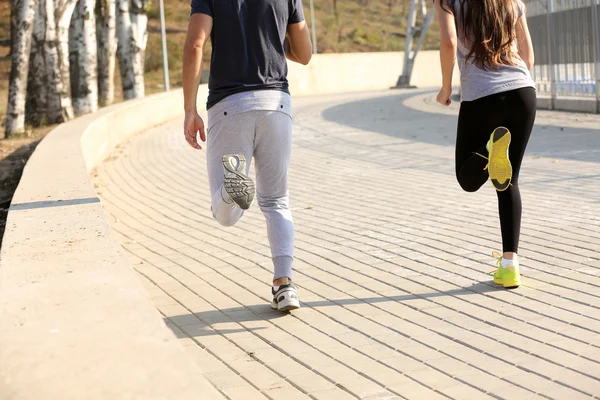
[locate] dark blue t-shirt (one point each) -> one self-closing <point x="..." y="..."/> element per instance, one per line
<point x="248" y="44"/>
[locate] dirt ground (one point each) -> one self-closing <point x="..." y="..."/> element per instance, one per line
<point x="14" y="154"/>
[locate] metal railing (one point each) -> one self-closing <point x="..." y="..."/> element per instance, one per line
<point x="566" y="41"/>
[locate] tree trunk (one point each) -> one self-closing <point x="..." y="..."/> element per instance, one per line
<point x="13" y="25"/>
<point x="131" y="31"/>
<point x="60" y="69"/>
<point x="124" y="48"/>
<point x="107" y="48"/>
<point x="83" y="58"/>
<point x="37" y="82"/>
<point x="58" y="109"/>
<point x="139" y="22"/>
<point x="49" y="97"/>
<point x="17" y="91"/>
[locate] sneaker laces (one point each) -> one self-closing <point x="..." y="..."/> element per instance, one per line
<point x="498" y="257"/>
<point x="484" y="157"/>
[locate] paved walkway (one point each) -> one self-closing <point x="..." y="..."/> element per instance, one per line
<point x="392" y="260"/>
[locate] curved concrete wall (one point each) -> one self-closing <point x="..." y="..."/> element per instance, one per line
<point x="359" y="72"/>
<point x="75" y="322"/>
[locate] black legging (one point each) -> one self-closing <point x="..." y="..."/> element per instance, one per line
<point x="514" y="110"/>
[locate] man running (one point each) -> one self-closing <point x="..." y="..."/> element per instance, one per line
<point x="249" y="114"/>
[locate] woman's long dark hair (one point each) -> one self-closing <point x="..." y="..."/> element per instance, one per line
<point x="490" y="25"/>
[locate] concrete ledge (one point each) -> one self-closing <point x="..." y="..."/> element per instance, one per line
<point x="359" y="72"/>
<point x="572" y="104"/>
<point x="75" y="321"/>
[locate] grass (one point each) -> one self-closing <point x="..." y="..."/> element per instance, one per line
<point x="177" y="14"/>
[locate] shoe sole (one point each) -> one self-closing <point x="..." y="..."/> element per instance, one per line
<point x="508" y="284"/>
<point x="500" y="168"/>
<point x="238" y="185"/>
<point x="288" y="305"/>
<point x="511" y="284"/>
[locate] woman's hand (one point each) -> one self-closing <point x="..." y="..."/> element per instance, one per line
<point x="443" y="96"/>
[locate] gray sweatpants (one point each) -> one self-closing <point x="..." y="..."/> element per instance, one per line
<point x="266" y="136"/>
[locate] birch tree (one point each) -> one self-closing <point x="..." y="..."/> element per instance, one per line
<point x="13" y="24"/>
<point x="83" y="58"/>
<point x="48" y="93"/>
<point x="132" y="21"/>
<point x="63" y="12"/>
<point x="17" y="91"/>
<point x="37" y="85"/>
<point x="107" y="49"/>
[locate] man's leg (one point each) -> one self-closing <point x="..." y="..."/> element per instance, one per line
<point x="272" y="159"/>
<point x="232" y="135"/>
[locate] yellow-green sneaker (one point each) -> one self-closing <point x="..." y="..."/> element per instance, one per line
<point x="508" y="276"/>
<point x="499" y="165"/>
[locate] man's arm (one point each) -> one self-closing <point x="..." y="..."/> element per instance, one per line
<point x="199" y="29"/>
<point x="298" y="47"/>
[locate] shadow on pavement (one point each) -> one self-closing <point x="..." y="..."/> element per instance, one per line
<point x="207" y="331"/>
<point x="388" y="115"/>
<point x="477" y="288"/>
<point x="264" y="312"/>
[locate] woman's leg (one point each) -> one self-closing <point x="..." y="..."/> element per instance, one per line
<point x="520" y="106"/>
<point x="476" y="121"/>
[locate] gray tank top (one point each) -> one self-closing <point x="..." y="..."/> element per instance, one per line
<point x="476" y="82"/>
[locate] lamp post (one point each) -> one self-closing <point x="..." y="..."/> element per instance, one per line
<point x="411" y="29"/>
<point x="163" y="36"/>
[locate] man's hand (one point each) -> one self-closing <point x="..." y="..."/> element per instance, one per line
<point x="191" y="126"/>
<point x="443" y="96"/>
<point x="199" y="30"/>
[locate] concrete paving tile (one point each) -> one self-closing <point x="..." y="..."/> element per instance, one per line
<point x="385" y="289"/>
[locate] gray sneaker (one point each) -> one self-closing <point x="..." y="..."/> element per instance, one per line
<point x="238" y="185"/>
<point x="285" y="298"/>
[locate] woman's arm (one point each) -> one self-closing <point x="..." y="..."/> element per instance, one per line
<point x="447" y="50"/>
<point x="524" y="42"/>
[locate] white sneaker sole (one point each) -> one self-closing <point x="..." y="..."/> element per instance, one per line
<point x="238" y="185"/>
<point x="286" y="305"/>
<point x="285" y="300"/>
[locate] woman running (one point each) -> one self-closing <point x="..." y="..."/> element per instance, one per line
<point x="497" y="112"/>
